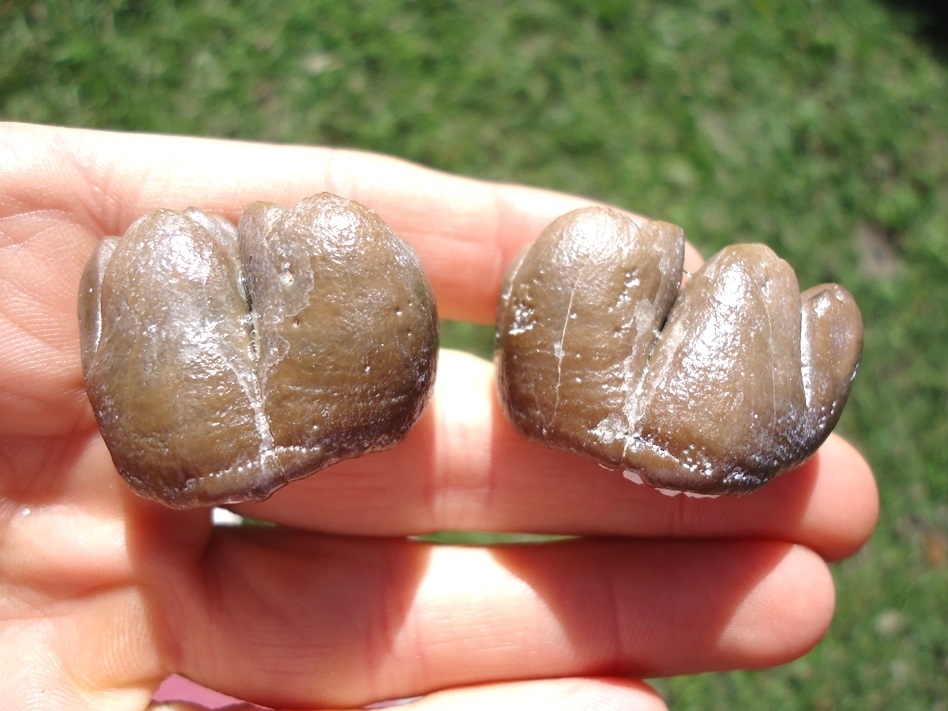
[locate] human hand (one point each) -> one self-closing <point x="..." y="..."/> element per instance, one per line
<point x="103" y="594"/>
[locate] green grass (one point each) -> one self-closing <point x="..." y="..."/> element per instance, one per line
<point x="820" y="128"/>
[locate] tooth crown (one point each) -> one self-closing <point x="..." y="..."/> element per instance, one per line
<point x="222" y="363"/>
<point x="715" y="388"/>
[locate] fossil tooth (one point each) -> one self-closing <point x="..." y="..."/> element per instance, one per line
<point x="713" y="388"/>
<point x="223" y="362"/>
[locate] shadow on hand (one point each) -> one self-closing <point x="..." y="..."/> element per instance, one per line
<point x="650" y="608"/>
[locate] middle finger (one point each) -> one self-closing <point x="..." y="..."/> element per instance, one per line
<point x="464" y="468"/>
<point x="349" y="621"/>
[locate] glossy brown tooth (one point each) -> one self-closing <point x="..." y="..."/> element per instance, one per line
<point x="743" y="381"/>
<point x="224" y="362"/>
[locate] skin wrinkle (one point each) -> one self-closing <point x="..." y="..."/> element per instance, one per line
<point x="801" y="609"/>
<point x="71" y="580"/>
<point x="123" y="630"/>
<point x="30" y="215"/>
<point x="673" y="598"/>
<point x="21" y="412"/>
<point x="457" y="491"/>
<point x="23" y="313"/>
<point x="100" y="201"/>
<point x="102" y="175"/>
<point x="504" y="220"/>
<point x="214" y="578"/>
<point x="338" y="177"/>
<point x="31" y="156"/>
<point x="620" y="630"/>
<point x="681" y="513"/>
<point x="72" y="205"/>
<point x="381" y="640"/>
<point x="21" y="455"/>
<point x="385" y="587"/>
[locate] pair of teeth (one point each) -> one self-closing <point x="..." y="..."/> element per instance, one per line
<point x="223" y="362"/>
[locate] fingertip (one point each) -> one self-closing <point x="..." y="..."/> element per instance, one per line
<point x="785" y="615"/>
<point x="830" y="503"/>
<point x="845" y="506"/>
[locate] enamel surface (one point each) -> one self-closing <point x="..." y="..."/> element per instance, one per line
<point x="223" y="363"/>
<point x="712" y="389"/>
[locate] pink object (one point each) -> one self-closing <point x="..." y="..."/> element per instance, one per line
<point x="177" y="688"/>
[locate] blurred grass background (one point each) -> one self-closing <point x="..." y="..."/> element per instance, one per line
<point x="818" y="127"/>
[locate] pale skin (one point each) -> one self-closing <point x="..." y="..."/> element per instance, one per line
<point x="103" y="594"/>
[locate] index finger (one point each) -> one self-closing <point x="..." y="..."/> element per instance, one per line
<point x="465" y="231"/>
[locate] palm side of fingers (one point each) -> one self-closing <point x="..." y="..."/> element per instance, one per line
<point x="118" y="592"/>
